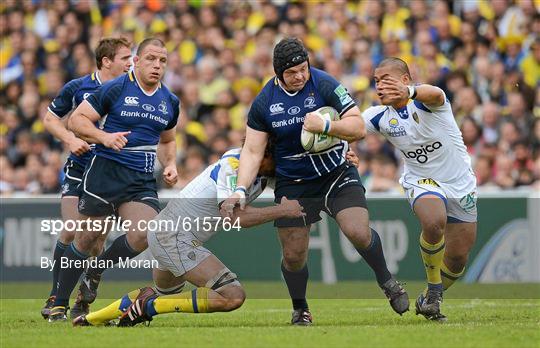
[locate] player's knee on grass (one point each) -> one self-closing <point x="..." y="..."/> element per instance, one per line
<point x="233" y="297"/>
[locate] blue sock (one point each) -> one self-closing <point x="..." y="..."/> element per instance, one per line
<point x="436" y="287"/>
<point x="58" y="253"/>
<point x="150" y="310"/>
<point x="374" y="257"/>
<point x="119" y="249"/>
<point x="69" y="276"/>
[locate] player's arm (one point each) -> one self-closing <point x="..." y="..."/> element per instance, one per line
<point x="166" y="153"/>
<point x="350" y="126"/>
<point x="82" y="123"/>
<point x="251" y="156"/>
<point x="57" y="112"/>
<point x="252" y="216"/>
<point x="58" y="129"/>
<point x="426" y="94"/>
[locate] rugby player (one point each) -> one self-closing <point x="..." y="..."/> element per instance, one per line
<point x="113" y="58"/>
<point x="181" y="254"/>
<point x="135" y="112"/>
<point x="322" y="181"/>
<point x="438" y="179"/>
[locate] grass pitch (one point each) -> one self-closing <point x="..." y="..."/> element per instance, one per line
<point x="349" y="314"/>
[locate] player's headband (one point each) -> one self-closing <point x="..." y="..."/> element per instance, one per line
<point x="288" y="52"/>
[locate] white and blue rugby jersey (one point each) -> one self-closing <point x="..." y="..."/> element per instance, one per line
<point x="124" y="106"/>
<point x="281" y="115"/>
<point x="202" y="196"/>
<point x="71" y="95"/>
<point x="428" y="138"/>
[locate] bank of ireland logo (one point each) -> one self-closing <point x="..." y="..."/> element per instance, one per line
<point x="309" y="102"/>
<point x="131" y="101"/>
<point x="293" y="110"/>
<point x="148" y="107"/>
<point x="276" y="108"/>
<point x="163" y="107"/>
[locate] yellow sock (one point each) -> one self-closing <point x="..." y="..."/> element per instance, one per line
<point x="112" y="311"/>
<point x="449" y="277"/>
<point x="432" y="255"/>
<point x="195" y="301"/>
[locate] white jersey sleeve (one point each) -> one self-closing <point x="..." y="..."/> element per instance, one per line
<point x="372" y="117"/>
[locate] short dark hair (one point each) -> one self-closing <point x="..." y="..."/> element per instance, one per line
<point x="108" y="47"/>
<point x="396" y="63"/>
<point x="149" y="41"/>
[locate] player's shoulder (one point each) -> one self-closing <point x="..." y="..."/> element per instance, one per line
<point x="76" y="84"/>
<point x="230" y="161"/>
<point x="167" y="93"/>
<point x="374" y="111"/>
<point x="320" y="75"/>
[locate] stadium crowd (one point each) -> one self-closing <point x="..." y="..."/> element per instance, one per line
<point x="484" y="54"/>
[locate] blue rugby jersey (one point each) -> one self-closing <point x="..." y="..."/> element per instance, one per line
<point x="125" y="106"/>
<point x="70" y="96"/>
<point x="281" y="115"/>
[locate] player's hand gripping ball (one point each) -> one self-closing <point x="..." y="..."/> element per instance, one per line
<point x="317" y="142"/>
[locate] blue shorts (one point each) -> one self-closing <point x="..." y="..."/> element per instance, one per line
<point x="334" y="192"/>
<point x="108" y="184"/>
<point x="73" y="173"/>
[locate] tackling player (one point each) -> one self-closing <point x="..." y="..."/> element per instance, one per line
<point x="438" y="179"/>
<point x="136" y="112"/>
<point x="320" y="181"/>
<point x="181" y="254"/>
<point x="113" y="57"/>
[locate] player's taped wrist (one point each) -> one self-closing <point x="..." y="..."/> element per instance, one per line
<point x="327" y="126"/>
<point x="241" y="189"/>
<point x="412" y="91"/>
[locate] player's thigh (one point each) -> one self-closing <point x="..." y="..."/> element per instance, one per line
<point x="294" y="243"/>
<point x="138" y="214"/>
<point x="459" y="240"/>
<point x="70" y="212"/>
<point x="354" y="222"/>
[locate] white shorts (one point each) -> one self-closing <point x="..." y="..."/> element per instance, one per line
<point x="459" y="196"/>
<point x="177" y="252"/>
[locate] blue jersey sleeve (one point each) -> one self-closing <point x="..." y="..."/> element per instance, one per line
<point x="335" y="94"/>
<point x="63" y="103"/>
<point x="257" y="114"/>
<point x="105" y="96"/>
<point x="176" y="112"/>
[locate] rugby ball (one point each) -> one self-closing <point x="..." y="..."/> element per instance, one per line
<point x="319" y="142"/>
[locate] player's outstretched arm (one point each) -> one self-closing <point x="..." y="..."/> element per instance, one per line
<point x="252" y="216"/>
<point x="166" y="153"/>
<point x="82" y="124"/>
<point x="250" y="161"/>
<point x="350" y="127"/>
<point x="54" y="125"/>
<point x="426" y="94"/>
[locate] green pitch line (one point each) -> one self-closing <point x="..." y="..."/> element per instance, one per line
<point x="316" y="290"/>
<point x="264" y="323"/>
